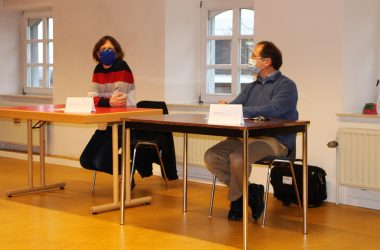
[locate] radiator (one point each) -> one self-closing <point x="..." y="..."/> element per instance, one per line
<point x="197" y="146"/>
<point x="14" y="135"/>
<point x="359" y="158"/>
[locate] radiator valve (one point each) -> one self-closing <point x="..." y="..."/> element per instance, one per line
<point x="332" y="144"/>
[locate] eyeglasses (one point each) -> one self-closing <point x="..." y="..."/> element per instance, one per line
<point x="259" y="118"/>
<point x="258" y="58"/>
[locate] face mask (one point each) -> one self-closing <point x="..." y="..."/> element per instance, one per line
<point x="107" y="57"/>
<point x="252" y="66"/>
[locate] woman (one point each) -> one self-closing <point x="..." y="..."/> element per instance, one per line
<point x="112" y="86"/>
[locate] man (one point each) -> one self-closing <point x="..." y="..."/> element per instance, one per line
<point x="271" y="95"/>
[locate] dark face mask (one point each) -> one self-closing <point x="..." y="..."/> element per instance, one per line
<point x="107" y="57"/>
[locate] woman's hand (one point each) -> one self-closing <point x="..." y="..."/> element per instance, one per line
<point x="118" y="100"/>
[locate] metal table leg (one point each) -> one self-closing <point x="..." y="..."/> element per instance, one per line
<point x="245" y="187"/>
<point x="42" y="187"/>
<point x="305" y="179"/>
<point x="185" y="144"/>
<point x="126" y="200"/>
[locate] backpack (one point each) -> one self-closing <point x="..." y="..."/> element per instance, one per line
<point x="282" y="182"/>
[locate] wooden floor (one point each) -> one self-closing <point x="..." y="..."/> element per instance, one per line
<point x="61" y="219"/>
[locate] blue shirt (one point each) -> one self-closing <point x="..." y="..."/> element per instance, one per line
<point x="274" y="97"/>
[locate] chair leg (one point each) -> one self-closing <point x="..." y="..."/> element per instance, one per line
<point x="133" y="163"/>
<point x="93" y="181"/>
<point x="266" y="195"/>
<point x="296" y="187"/>
<point x="212" y="195"/>
<point x="267" y="188"/>
<point x="159" y="157"/>
<point x="162" y="166"/>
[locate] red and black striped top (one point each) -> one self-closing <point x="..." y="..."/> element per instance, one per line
<point x="105" y="82"/>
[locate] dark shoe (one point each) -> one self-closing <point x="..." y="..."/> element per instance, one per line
<point x="256" y="200"/>
<point x="236" y="210"/>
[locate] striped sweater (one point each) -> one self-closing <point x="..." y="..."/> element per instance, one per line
<point x="105" y="82"/>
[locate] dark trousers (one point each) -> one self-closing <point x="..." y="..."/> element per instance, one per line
<point x="97" y="155"/>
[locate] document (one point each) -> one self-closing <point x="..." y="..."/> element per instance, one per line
<point x="226" y="114"/>
<point x="79" y="105"/>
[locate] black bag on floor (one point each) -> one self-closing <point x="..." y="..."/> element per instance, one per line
<point x="282" y="182"/>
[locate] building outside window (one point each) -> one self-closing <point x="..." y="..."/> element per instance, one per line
<point x="39" y="53"/>
<point x="228" y="29"/>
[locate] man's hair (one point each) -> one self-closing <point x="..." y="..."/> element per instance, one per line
<point x="115" y="44"/>
<point x="271" y="51"/>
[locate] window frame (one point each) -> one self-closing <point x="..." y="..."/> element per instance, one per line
<point x="44" y="89"/>
<point x="220" y="5"/>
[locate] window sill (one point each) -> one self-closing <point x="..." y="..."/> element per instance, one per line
<point x="192" y="108"/>
<point x="358" y="118"/>
<point x="357" y="115"/>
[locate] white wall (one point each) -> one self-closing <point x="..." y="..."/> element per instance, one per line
<point x="360" y="65"/>
<point x="137" y="25"/>
<point x="360" y="54"/>
<point x="139" y="28"/>
<point x="10" y="64"/>
<point x="330" y="49"/>
<point x="309" y="33"/>
<point x="182" y="48"/>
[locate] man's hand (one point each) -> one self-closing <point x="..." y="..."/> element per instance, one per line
<point x="118" y="100"/>
<point x="222" y="102"/>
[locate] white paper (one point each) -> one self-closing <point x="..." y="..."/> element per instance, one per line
<point x="79" y="105"/>
<point x="287" y="180"/>
<point x="226" y="114"/>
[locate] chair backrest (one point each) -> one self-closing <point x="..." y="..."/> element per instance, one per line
<point x="142" y="135"/>
<point x="164" y="141"/>
<point x="153" y="105"/>
<point x="292" y="153"/>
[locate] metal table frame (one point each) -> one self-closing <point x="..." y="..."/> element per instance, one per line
<point x="197" y="124"/>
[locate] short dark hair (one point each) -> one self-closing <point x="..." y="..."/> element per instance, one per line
<point x="271" y="51"/>
<point x="115" y="44"/>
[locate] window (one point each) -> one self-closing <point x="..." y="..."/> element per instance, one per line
<point x="228" y="29"/>
<point x="38" y="53"/>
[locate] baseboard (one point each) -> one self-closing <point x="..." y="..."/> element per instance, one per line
<point x="16" y="147"/>
<point x="48" y="159"/>
<point x="195" y="173"/>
